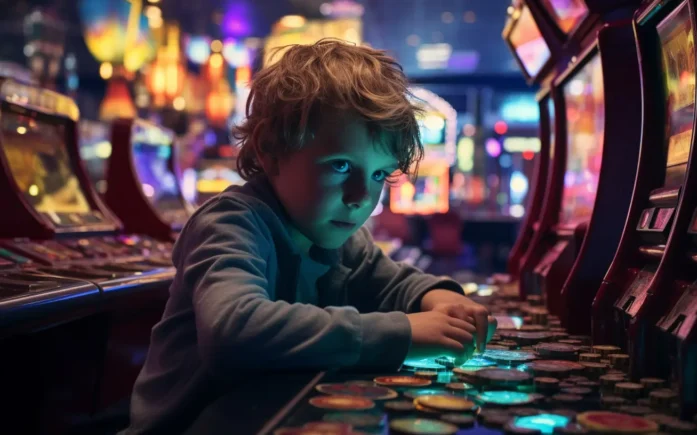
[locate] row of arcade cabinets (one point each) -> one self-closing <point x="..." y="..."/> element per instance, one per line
<point x="610" y="240"/>
<point x="82" y="278"/>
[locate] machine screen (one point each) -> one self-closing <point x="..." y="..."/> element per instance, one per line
<point x="432" y="129"/>
<point x="566" y="13"/>
<point x="585" y="120"/>
<point x="527" y="41"/>
<point x="38" y="158"/>
<point x="152" y="151"/>
<point x="429" y="193"/>
<point x="678" y="49"/>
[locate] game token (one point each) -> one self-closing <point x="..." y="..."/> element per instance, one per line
<point x="446" y="403"/>
<point x="422" y="426"/>
<point x="362" y="383"/>
<point x="580" y="391"/>
<point x="426" y="410"/>
<point x="593" y="369"/>
<point x="423" y="364"/>
<point x="510" y="344"/>
<point x="524" y="337"/>
<point x="593" y="385"/>
<point x="543" y="422"/>
<point x="606" y="350"/>
<point x="644" y="401"/>
<point x="329" y="427"/>
<point x="459" y="386"/>
<point x="556" y="350"/>
<point x="523" y="412"/>
<point x="463" y="421"/>
<point x="356" y="419"/>
<point x="509" y="356"/>
<point x="342" y="402"/>
<point x="634" y="410"/>
<point x="571" y="342"/>
<point x="577" y="379"/>
<point x="426" y="375"/>
<point x="590" y="357"/>
<point x="619" y="361"/>
<point x="662" y="398"/>
<point x="629" y="390"/>
<point x="614" y="422"/>
<point x="503" y="377"/>
<point x="613" y="401"/>
<point x="399" y="406"/>
<point x="401" y="381"/>
<point x="496" y="421"/>
<point x="413" y="394"/>
<point x="553" y="368"/>
<point x="651" y="384"/>
<point x="479" y="361"/>
<point x="536" y="396"/>
<point x="566" y="384"/>
<point x="511" y="429"/>
<point x="495" y="346"/>
<point x="505" y="398"/>
<point x="371" y="392"/>
<point x="546" y="383"/>
<point x="608" y="382"/>
<point x="446" y="361"/>
<point x="532" y="328"/>
<point x="584" y="339"/>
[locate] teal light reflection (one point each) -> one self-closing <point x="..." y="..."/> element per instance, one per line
<point x="504" y="397"/>
<point x="545" y="423"/>
<point x="423" y="364"/>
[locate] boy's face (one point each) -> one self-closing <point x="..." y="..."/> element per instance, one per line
<point x="333" y="183"/>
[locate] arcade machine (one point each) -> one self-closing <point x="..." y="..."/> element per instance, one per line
<point x="534" y="56"/>
<point x="429" y="195"/>
<point x="95" y="149"/>
<point x="589" y="187"/>
<point x="142" y="186"/>
<point x="646" y="300"/>
<point x="52" y="216"/>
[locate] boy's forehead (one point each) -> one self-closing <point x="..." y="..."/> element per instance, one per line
<point x="341" y="132"/>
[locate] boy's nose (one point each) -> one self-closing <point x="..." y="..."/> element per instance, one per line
<point x="356" y="194"/>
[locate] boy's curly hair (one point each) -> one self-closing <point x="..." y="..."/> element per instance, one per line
<point x="286" y="97"/>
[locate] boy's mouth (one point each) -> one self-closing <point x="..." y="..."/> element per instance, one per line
<point x="343" y="224"/>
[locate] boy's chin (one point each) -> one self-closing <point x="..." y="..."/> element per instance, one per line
<point x="334" y="242"/>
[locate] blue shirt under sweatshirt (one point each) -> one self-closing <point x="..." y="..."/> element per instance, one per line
<point x="232" y="309"/>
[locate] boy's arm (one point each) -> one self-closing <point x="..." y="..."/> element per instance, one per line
<point x="239" y="326"/>
<point x="378" y="283"/>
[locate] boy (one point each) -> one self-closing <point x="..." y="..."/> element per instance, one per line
<point x="279" y="274"/>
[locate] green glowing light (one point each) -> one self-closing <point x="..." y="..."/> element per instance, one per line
<point x="505" y="397"/>
<point x="423" y="364"/>
<point x="545" y="423"/>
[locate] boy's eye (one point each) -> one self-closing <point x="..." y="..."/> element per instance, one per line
<point x="341" y="166"/>
<point x="380" y="175"/>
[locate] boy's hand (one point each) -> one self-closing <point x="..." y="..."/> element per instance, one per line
<point x="458" y="306"/>
<point x="436" y="334"/>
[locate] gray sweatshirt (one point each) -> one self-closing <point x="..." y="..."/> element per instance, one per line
<point x="232" y="312"/>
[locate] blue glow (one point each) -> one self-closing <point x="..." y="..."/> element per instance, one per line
<point x="518" y="321"/>
<point x="236" y="20"/>
<point x="520" y="108"/>
<point x="426" y="363"/>
<point x="478" y="361"/>
<point x="505" y="161"/>
<point x="504" y="397"/>
<point x="545" y="423"/>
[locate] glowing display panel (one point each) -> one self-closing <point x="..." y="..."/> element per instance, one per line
<point x="38" y="158"/>
<point x="428" y="195"/>
<point x="528" y="43"/>
<point x="152" y="152"/>
<point x="567" y="14"/>
<point x="585" y="123"/>
<point x="678" y="52"/>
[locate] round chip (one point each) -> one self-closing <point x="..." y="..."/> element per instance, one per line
<point x="589" y="357"/>
<point x="356" y="419"/>
<point x="371" y="392"/>
<point x="342" y="402"/>
<point x="606" y="350"/>
<point x="544" y="422"/>
<point x="635" y="410"/>
<point x="459" y="386"/>
<point x="511" y="429"/>
<point x="361" y="382"/>
<point x="463" y="421"/>
<point x="495" y="346"/>
<point x="579" y="391"/>
<point x="426" y="410"/>
<point x="651" y="384"/>
<point x="608" y="382"/>
<point x="532" y="328"/>
<point x="571" y="342"/>
<point x="428" y="364"/>
<point x="594" y="369"/>
<point x="546" y="383"/>
<point x="524" y="412"/>
<point x="555" y="350"/>
<point x="567" y="399"/>
<point x="553" y="368"/>
<point x="570" y="429"/>
<point x="503" y="377"/>
<point x="630" y="390"/>
<point x="577" y="378"/>
<point x="585" y="339"/>
<point x="401" y="381"/>
<point x="614" y="422"/>
<point x="494" y="419"/>
<point x="675" y="425"/>
<point x="413" y="394"/>
<point x="509" y="356"/>
<point x="613" y="401"/>
<point x="592" y="385"/>
<point x="399" y="406"/>
<point x="329" y="427"/>
<point x="662" y="398"/>
<point x="505" y="398"/>
<point x="422" y="426"/>
<point x="446" y="403"/>
<point x="478" y="361"/>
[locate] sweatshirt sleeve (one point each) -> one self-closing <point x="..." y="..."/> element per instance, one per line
<point x="223" y="262"/>
<point x="379" y="283"/>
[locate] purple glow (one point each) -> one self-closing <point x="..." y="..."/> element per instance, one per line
<point x="236" y="20"/>
<point x="493" y="147"/>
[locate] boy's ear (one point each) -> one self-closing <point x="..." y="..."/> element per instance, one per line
<point x="268" y="163"/>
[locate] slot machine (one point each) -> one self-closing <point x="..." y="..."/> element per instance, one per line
<point x="142" y="183"/>
<point x="534" y="56"/>
<point x="646" y="300"/>
<point x="53" y="217"/>
<point x="590" y="183"/>
<point x="95" y="149"/>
